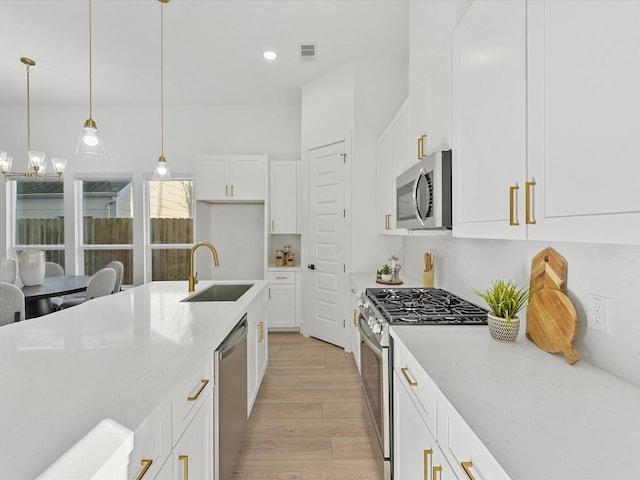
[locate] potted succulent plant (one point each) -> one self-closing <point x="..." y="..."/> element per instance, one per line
<point x="386" y="273"/>
<point x="505" y="300"/>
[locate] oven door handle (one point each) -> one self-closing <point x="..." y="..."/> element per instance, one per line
<point x="376" y="349"/>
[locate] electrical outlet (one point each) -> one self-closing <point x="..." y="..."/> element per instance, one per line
<point x="598" y="313"/>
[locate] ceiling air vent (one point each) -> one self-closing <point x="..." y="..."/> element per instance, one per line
<point x="308" y="52"/>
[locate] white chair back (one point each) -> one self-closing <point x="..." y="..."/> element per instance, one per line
<point x="119" y="268"/>
<point x="53" y="269"/>
<point x="101" y="284"/>
<point x="11" y="304"/>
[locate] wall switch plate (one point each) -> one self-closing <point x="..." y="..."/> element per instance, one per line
<point x="598" y="313"/>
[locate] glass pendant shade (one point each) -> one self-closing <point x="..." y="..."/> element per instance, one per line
<point x="36" y="161"/>
<point x="90" y="142"/>
<point x="59" y="165"/>
<point x="5" y="162"/>
<point x="161" y="171"/>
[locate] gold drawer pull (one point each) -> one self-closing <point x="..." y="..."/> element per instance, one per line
<point x="281" y="278"/>
<point x="437" y="470"/>
<point x="355" y="318"/>
<point x="260" y="332"/>
<point x="195" y="397"/>
<point x="412" y="382"/>
<point x="528" y="206"/>
<point x="512" y="205"/>
<point x="427" y="454"/>
<point x="185" y="459"/>
<point x="146" y="464"/>
<point x="467" y="469"/>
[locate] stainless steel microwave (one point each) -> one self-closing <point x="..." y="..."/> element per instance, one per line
<point x="423" y="194"/>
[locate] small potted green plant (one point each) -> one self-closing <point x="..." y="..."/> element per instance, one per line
<point x="505" y="300"/>
<point x="385" y="272"/>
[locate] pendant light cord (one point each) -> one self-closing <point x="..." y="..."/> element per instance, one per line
<point x="90" y="68"/>
<point x="28" y="112"/>
<point x="162" y="79"/>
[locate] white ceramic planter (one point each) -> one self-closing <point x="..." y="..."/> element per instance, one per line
<point x="32" y="267"/>
<point x="500" y="329"/>
<point x="386" y="277"/>
<point x="7" y="270"/>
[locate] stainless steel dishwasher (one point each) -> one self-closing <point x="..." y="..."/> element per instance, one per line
<point x="230" y="423"/>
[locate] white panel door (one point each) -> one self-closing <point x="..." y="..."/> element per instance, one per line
<point x="326" y="208"/>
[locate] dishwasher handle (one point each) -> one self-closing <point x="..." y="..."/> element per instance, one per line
<point x="234" y="339"/>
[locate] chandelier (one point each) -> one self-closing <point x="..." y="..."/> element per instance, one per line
<point x="36" y="167"/>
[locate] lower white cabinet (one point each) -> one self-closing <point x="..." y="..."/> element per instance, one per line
<point x="283" y="299"/>
<point x="431" y="440"/>
<point x="256" y="355"/>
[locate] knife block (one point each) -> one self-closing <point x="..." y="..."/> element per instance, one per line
<point x="427" y="278"/>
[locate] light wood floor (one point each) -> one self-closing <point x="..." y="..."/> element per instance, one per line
<point x="307" y="422"/>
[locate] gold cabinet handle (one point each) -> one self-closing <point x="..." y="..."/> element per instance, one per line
<point x="146" y="465"/>
<point x="273" y="225"/>
<point x="437" y="470"/>
<point x="269" y="293"/>
<point x="387" y="222"/>
<point x="512" y="205"/>
<point x="185" y="471"/>
<point x="467" y="469"/>
<point x="260" y="332"/>
<point x="355" y="318"/>
<point x="232" y="190"/>
<point x="528" y="205"/>
<point x="202" y="386"/>
<point x="226" y="190"/>
<point x="420" y="140"/>
<point x="425" y="461"/>
<point x="422" y="149"/>
<point x="412" y="382"/>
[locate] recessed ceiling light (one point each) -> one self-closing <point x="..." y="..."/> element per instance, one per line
<point x="270" y="55"/>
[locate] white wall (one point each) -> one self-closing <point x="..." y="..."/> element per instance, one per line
<point x="132" y="139"/>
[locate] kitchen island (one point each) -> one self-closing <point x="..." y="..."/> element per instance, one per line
<point x="538" y="416"/>
<point x="120" y="357"/>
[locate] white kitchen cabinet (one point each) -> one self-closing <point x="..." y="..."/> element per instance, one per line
<point x="392" y="160"/>
<point x="193" y="454"/>
<point x="284" y="196"/>
<point x="152" y="445"/>
<point x="417" y="147"/>
<point x="257" y="355"/>
<point x="284" y="291"/>
<point x="583" y="82"/>
<point x="489" y="107"/>
<point x="352" y="318"/>
<point x="438" y="96"/>
<point x="230" y="178"/>
<point x="416" y="451"/>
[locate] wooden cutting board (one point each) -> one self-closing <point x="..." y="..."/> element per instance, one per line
<point x="548" y="270"/>
<point x="552" y="322"/>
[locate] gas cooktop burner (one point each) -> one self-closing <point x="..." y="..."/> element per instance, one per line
<point x="425" y="306"/>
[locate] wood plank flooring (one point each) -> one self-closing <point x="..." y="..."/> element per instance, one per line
<point x="307" y="422"/>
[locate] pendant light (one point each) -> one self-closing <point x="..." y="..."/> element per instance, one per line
<point x="36" y="166"/>
<point x="161" y="172"/>
<point x="90" y="142"/>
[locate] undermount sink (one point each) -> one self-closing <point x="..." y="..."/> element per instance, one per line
<point x="220" y="293"/>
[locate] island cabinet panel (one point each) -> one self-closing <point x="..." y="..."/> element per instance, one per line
<point x="230" y="178"/>
<point x="152" y="445"/>
<point x="190" y="396"/>
<point x="257" y="347"/>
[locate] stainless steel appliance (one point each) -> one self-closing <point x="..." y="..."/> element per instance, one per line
<point x="423" y="194"/>
<point x="378" y="308"/>
<point x="230" y="394"/>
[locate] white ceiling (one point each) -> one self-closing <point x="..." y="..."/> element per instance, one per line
<point x="213" y="48"/>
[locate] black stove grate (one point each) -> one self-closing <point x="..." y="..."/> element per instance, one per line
<point x="425" y="306"/>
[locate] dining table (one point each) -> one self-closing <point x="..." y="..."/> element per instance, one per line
<point x="37" y="298"/>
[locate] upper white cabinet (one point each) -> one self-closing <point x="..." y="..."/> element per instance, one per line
<point x="489" y="119"/>
<point x="544" y="99"/>
<point x="392" y="160"/>
<point x="230" y="178"/>
<point x="417" y="127"/>
<point x="284" y="196"/>
<point x="584" y="72"/>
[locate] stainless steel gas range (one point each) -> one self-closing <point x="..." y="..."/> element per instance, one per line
<point x="378" y="308"/>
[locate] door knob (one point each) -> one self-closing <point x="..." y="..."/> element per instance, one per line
<point x="311" y="266"/>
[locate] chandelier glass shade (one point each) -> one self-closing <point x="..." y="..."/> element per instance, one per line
<point x="90" y="141"/>
<point x="37" y="164"/>
<point x="161" y="172"/>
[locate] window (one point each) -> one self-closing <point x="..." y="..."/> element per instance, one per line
<point x="39" y="217"/>
<point x="170" y="230"/>
<point x="107" y="225"/>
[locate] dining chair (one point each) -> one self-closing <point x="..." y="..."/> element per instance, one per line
<point x="12" y="301"/>
<point x="53" y="269"/>
<point x="101" y="284"/>
<point x="119" y="268"/>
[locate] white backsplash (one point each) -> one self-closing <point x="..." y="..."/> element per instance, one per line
<point x="611" y="271"/>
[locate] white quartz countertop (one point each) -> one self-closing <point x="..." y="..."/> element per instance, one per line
<point x="114" y="357"/>
<point x="540" y="417"/>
